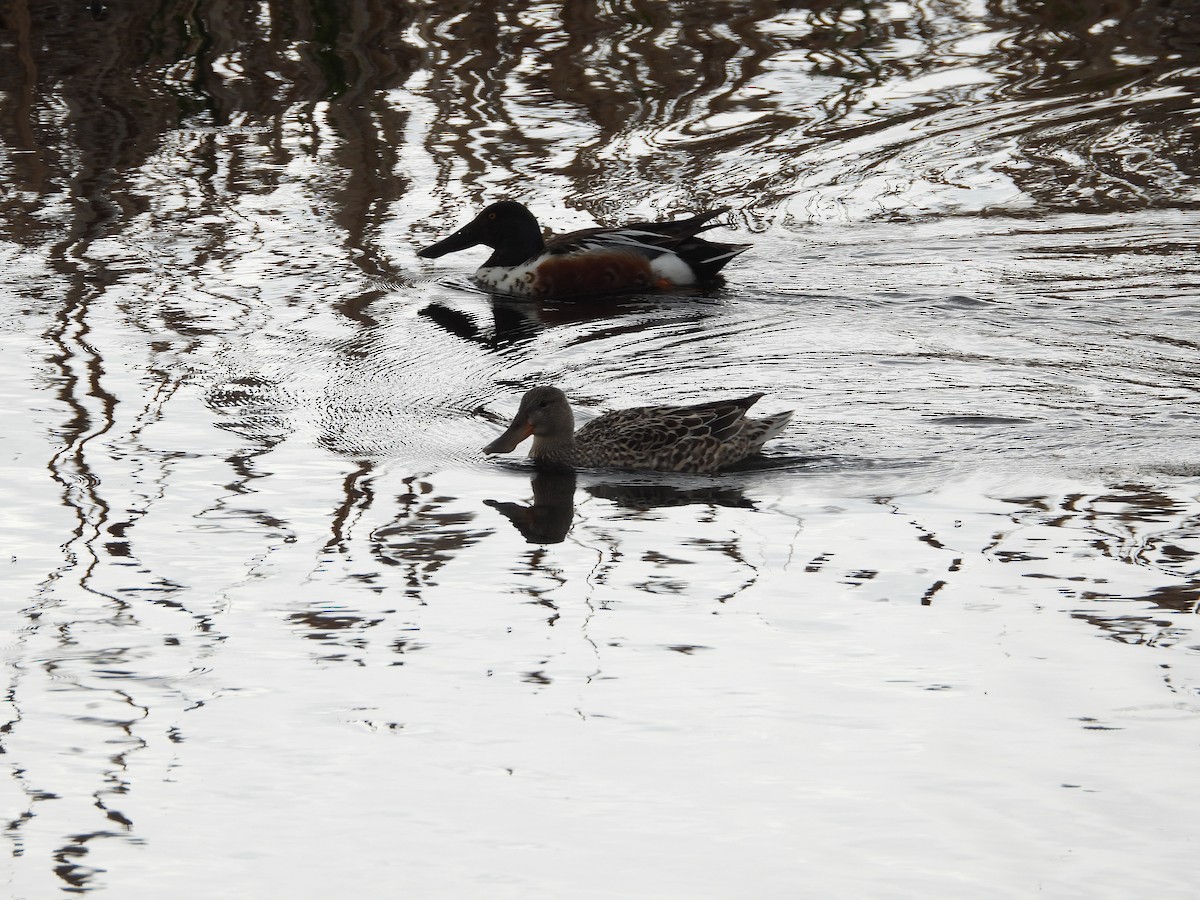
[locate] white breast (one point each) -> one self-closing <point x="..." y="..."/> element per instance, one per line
<point x="516" y="281"/>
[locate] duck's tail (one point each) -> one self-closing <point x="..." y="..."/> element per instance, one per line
<point x="707" y="258"/>
<point x="771" y="426"/>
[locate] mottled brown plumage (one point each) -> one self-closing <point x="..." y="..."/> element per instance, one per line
<point x="700" y="438"/>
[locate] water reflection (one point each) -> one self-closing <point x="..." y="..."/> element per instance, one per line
<point x="1135" y="524"/>
<point x="515" y="322"/>
<point x="548" y="518"/>
<point x="605" y="109"/>
<point x="244" y="423"/>
<point x="510" y="325"/>
<point x="550" y="515"/>
<point x="649" y="496"/>
<point x="425" y="535"/>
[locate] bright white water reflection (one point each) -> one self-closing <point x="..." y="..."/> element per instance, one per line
<point x="273" y="626"/>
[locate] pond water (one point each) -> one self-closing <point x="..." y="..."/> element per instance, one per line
<point x="274" y="627"/>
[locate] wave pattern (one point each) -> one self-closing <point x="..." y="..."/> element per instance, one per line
<point x="835" y="112"/>
<point x="249" y="520"/>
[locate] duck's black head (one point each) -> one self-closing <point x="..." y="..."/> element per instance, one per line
<point x="507" y="227"/>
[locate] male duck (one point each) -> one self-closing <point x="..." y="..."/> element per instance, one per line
<point x="595" y="261"/>
<point x="700" y="438"/>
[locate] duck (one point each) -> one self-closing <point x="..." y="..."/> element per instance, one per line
<point x="701" y="438"/>
<point x="641" y="256"/>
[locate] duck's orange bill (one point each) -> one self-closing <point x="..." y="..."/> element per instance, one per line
<point x="508" y="441"/>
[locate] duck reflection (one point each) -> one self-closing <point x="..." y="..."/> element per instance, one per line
<point x="512" y="324"/>
<point x="548" y="518"/>
<point x="516" y="321"/>
<point x="652" y="496"/>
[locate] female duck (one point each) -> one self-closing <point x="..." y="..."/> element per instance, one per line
<point x="701" y="438"/>
<point x="592" y="262"/>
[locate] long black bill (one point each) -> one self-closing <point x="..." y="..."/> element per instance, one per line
<point x="467" y="236"/>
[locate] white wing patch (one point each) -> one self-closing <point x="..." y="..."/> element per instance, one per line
<point x="625" y="239"/>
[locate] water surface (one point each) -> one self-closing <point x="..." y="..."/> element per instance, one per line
<point x="274" y="626"/>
